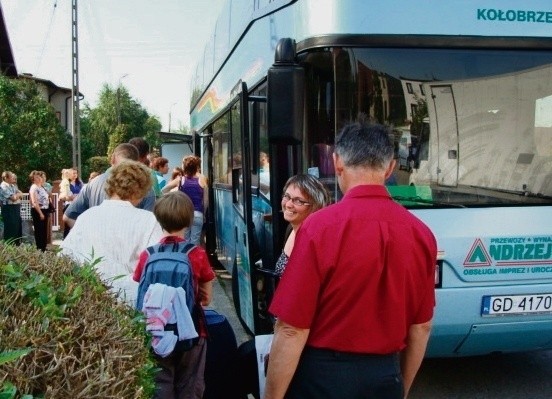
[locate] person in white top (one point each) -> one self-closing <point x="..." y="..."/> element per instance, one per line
<point x="39" y="199"/>
<point x="115" y="232"/>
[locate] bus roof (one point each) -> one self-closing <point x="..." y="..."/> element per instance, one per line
<point x="251" y="28"/>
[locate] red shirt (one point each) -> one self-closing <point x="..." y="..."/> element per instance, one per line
<point x="361" y="273"/>
<point x="201" y="268"/>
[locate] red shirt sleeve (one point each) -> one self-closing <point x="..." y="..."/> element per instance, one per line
<point x="140" y="266"/>
<point x="203" y="272"/>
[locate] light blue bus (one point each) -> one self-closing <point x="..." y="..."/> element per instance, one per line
<point x="470" y="80"/>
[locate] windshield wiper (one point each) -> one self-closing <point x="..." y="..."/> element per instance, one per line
<point x="421" y="200"/>
<point x="521" y="193"/>
<point x="535" y="195"/>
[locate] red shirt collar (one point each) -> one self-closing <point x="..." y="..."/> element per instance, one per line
<point x="371" y="190"/>
<point x="171" y="239"/>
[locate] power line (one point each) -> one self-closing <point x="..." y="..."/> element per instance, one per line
<point x="46" y="37"/>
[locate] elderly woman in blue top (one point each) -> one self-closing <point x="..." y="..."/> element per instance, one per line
<point x="10" y="198"/>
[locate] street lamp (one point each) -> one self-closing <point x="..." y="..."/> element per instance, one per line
<point x="119" y="98"/>
<point x="170" y="114"/>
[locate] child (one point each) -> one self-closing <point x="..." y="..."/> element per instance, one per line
<point x="182" y="372"/>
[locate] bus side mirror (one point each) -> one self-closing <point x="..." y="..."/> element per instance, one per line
<point x="285" y="96"/>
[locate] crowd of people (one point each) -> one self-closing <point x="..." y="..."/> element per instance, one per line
<point x="41" y="202"/>
<point x="355" y="296"/>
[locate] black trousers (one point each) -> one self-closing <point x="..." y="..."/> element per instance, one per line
<point x="13" y="229"/>
<point x="327" y="374"/>
<point x="66" y="227"/>
<point x="40" y="228"/>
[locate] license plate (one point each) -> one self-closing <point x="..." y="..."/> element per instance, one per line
<point x="500" y="305"/>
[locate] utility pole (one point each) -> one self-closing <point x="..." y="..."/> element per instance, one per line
<point x="119" y="99"/>
<point x="75" y="90"/>
<point x="170" y="114"/>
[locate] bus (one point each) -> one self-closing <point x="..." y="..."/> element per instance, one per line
<point x="469" y="82"/>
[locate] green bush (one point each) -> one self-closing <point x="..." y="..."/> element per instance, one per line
<point x="97" y="164"/>
<point x="64" y="335"/>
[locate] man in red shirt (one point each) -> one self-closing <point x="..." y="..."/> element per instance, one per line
<point x="355" y="304"/>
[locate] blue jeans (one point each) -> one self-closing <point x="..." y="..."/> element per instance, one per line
<point x="194" y="232"/>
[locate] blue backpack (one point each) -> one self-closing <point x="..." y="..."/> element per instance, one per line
<point x="169" y="264"/>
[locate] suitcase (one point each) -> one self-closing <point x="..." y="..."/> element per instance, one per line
<point x="252" y="363"/>
<point x="220" y="366"/>
<point x="247" y="365"/>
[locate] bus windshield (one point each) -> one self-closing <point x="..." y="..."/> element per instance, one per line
<point x="471" y="127"/>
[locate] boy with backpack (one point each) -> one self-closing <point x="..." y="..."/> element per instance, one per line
<point x="172" y="262"/>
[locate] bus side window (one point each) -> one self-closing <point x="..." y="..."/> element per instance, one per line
<point x="264" y="174"/>
<point x="323" y="159"/>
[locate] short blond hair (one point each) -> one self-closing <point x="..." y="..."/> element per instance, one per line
<point x="129" y="180"/>
<point x="65" y="174"/>
<point x="6" y="175"/>
<point x="33" y="174"/>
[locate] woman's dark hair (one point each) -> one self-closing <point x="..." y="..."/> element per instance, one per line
<point x="191" y="165"/>
<point x="158" y="163"/>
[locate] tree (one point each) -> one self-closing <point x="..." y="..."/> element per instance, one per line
<point x="418" y="115"/>
<point x="116" y="119"/>
<point x="118" y="136"/>
<point x="31" y="137"/>
<point x="182" y="128"/>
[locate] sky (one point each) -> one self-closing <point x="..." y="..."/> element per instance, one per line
<point x="149" y="47"/>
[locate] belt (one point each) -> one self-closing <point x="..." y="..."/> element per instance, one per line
<point x="349" y="355"/>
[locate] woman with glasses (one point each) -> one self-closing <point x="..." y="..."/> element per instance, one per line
<point x="302" y="195"/>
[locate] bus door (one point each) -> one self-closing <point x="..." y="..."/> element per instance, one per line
<point x="447" y="135"/>
<point x="225" y="147"/>
<point x="270" y="121"/>
<point x="243" y="268"/>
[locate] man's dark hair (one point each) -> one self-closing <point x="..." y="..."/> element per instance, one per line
<point x="366" y="145"/>
<point x="142" y="146"/>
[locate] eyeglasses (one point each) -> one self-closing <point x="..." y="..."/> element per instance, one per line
<point x="296" y="201"/>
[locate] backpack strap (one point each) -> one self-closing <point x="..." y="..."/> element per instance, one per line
<point x="176" y="247"/>
<point x="188" y="247"/>
<point x="198" y="314"/>
<point x="153" y="249"/>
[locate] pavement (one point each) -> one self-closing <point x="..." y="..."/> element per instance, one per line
<point x="223" y="303"/>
